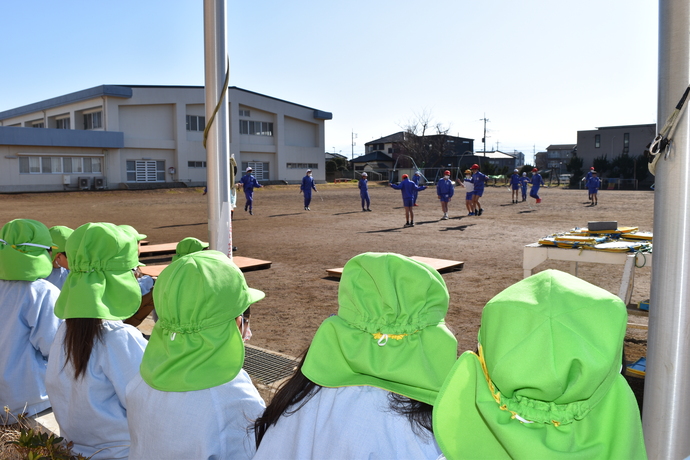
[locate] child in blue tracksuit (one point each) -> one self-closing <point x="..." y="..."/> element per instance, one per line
<point x="515" y="185"/>
<point x="587" y="178"/>
<point x="408" y="188"/>
<point x="416" y="178"/>
<point x="537" y="182"/>
<point x="249" y="182"/>
<point x="593" y="185"/>
<point x="479" y="180"/>
<point x="445" y="190"/>
<point x="306" y="188"/>
<point x="364" y="191"/>
<point x="524" y="180"/>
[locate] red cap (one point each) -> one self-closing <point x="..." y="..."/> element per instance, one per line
<point x="405" y="176"/>
<point x="446" y="173"/>
<point x="534" y="170"/>
<point x="475" y="166"/>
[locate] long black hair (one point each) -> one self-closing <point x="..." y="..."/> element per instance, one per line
<point x="298" y="390"/>
<point x="80" y="336"/>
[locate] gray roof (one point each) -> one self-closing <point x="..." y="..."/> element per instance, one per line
<point x="373" y="157"/>
<point x="397" y="137"/>
<point x="124" y="91"/>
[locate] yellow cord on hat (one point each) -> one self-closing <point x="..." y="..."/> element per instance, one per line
<point x="497" y="394"/>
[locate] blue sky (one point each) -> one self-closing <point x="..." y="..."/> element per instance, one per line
<point x="539" y="69"/>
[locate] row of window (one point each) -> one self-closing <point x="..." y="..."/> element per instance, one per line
<point x="93" y="120"/>
<point x="145" y="171"/>
<point x="302" y="166"/>
<point x="256" y="128"/>
<point x="626" y="141"/>
<point x="259" y="169"/>
<point x="196" y="123"/>
<point x="196" y="164"/>
<point x="60" y="165"/>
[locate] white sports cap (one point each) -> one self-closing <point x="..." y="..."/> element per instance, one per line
<point x="364" y="174"/>
<point x="308" y="170"/>
<point x="249" y="169"/>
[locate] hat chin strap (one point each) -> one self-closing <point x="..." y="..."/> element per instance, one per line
<point x="26" y="244"/>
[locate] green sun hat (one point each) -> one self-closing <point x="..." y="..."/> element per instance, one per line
<point x="188" y="246"/>
<point x="196" y="343"/>
<point x="59" y="234"/>
<point x="24" y="246"/>
<point x="546" y="383"/>
<point x="101" y="283"/>
<point x="389" y="332"/>
<point x="133" y="231"/>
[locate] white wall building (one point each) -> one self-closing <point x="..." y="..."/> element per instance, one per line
<point x="123" y="136"/>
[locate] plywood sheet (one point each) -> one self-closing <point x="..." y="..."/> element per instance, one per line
<point x="244" y="263"/>
<point x="441" y="265"/>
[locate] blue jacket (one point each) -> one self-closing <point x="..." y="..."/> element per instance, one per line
<point x="593" y="183"/>
<point x="479" y="180"/>
<point x="249" y="182"/>
<point x="515" y="179"/>
<point x="445" y="188"/>
<point x="307" y="185"/>
<point x="536" y="181"/>
<point x="363" y="186"/>
<point x="408" y="188"/>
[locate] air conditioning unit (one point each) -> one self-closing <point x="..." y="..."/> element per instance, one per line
<point x="84" y="183"/>
<point x="99" y="183"/>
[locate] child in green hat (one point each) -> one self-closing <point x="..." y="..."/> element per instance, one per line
<point x="192" y="367"/>
<point x="367" y="383"/>
<point x="546" y="382"/>
<point x="95" y="355"/>
<point x="187" y="246"/>
<point x="59" y="234"/>
<point x="28" y="324"/>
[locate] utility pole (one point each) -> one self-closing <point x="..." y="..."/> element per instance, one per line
<point x="354" y="136"/>
<point x="484" y="138"/>
<point x="666" y="414"/>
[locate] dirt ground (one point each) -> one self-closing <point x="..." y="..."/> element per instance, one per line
<point x="303" y="244"/>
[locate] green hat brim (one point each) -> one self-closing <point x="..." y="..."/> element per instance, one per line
<point x="106" y="295"/>
<point x="19" y="266"/>
<point x="414" y="366"/>
<point x="198" y="362"/>
<point x="468" y="423"/>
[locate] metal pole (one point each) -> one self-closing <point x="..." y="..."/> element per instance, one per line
<point x="666" y="419"/>
<point x="218" y="141"/>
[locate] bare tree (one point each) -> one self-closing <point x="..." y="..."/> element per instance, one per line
<point x="424" y="139"/>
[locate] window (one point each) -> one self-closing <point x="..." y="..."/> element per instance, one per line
<point x="244" y="113"/>
<point x="260" y="169"/>
<point x="62" y="123"/>
<point x="93" y="120"/>
<point x="196" y="123"/>
<point x="38" y="124"/>
<point x="626" y="142"/>
<point x="59" y="165"/>
<point x="256" y="128"/>
<point x="196" y="164"/>
<point x="145" y="171"/>
<point x="597" y="141"/>
<point x="302" y="166"/>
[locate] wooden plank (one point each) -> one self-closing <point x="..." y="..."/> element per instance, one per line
<point x="245" y="264"/>
<point x="441" y="265"/>
<point x="157" y="249"/>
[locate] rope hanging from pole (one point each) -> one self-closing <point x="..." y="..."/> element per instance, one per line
<point x="663" y="140"/>
<point x="220" y="100"/>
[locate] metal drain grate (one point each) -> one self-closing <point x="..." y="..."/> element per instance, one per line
<point x="266" y="367"/>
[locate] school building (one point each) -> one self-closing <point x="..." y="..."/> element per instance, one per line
<point x="129" y="136"/>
